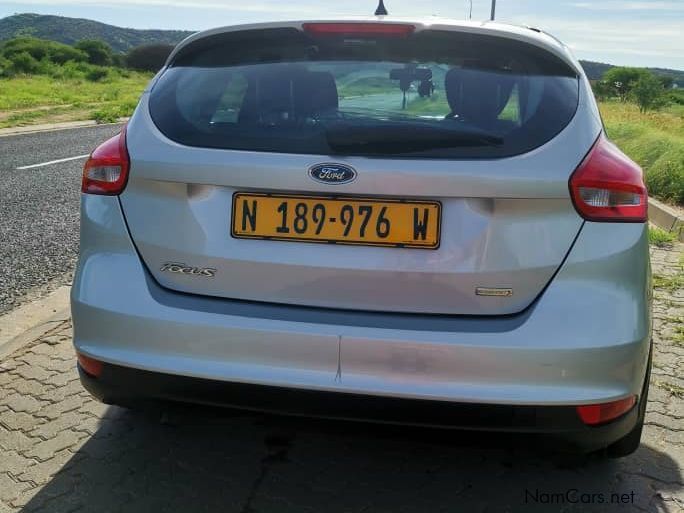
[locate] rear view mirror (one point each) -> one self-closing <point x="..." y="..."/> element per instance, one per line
<point x="411" y="73"/>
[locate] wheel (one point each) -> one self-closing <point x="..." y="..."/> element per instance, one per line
<point x="630" y="442"/>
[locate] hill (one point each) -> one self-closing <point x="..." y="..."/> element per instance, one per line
<point x="595" y="71"/>
<point x="71" y="30"/>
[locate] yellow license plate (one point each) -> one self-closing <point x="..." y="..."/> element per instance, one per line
<point x="337" y="220"/>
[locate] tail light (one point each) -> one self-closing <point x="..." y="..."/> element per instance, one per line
<point x="608" y="186"/>
<point x="106" y="171"/>
<point x="595" y="414"/>
<point x="359" y="29"/>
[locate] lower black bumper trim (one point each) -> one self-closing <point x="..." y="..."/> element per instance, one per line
<point x="124" y="385"/>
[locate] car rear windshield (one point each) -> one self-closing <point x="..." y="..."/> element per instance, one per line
<point x="439" y="94"/>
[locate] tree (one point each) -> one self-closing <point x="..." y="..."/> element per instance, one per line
<point x="603" y="89"/>
<point x="99" y="52"/>
<point x="148" y="57"/>
<point x="648" y="91"/>
<point x="666" y="81"/>
<point x="622" y="79"/>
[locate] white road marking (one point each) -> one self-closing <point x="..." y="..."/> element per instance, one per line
<point x="54" y="162"/>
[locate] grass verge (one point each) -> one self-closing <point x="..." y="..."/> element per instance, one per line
<point x="659" y="237"/>
<point x="653" y="139"/>
<point x="43" y="99"/>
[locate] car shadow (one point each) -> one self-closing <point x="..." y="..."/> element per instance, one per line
<point x="195" y="459"/>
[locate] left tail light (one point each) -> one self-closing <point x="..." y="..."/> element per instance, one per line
<point x="609" y="187"/>
<point x="106" y="170"/>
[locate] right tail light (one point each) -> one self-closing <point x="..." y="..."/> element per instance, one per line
<point x="106" y="171"/>
<point x="609" y="187"/>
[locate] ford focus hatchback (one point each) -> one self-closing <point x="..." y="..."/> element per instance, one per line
<point x="415" y="222"/>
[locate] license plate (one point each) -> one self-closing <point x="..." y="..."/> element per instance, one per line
<point x="337" y="220"/>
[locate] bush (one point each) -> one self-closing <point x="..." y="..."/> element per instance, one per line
<point x="24" y="62"/>
<point x="6" y="68"/>
<point x="63" y="53"/>
<point x="98" y="52"/>
<point x="148" y="57"/>
<point x="675" y="96"/>
<point x="40" y="49"/>
<point x="95" y="74"/>
<point x="648" y="92"/>
<point x="118" y="60"/>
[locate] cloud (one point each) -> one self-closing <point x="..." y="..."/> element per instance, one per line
<point x="273" y="7"/>
<point x="630" y="6"/>
<point x="592" y="37"/>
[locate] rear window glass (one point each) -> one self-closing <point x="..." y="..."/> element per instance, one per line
<point x="433" y="94"/>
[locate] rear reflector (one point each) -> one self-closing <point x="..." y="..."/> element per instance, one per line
<point x="90" y="365"/>
<point x="359" y="29"/>
<point x="106" y="171"/>
<point x="609" y="187"/>
<point x="595" y="414"/>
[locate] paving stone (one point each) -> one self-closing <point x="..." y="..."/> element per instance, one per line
<point x="18" y="420"/>
<point x="10" y="489"/>
<point x="51" y="428"/>
<point x="33" y="372"/>
<point x="55" y="410"/>
<point x="14" y="440"/>
<point x="19" y="402"/>
<point x="14" y="463"/>
<point x="44" y="450"/>
<point x="41" y="473"/>
<point x="29" y="387"/>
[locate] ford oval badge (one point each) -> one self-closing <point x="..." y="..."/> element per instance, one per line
<point x="332" y="174"/>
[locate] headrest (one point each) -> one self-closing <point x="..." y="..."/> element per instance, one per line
<point x="478" y="96"/>
<point x="315" y="93"/>
<point x="287" y="93"/>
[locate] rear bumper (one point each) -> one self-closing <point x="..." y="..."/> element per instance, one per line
<point x="585" y="340"/>
<point x="560" y="425"/>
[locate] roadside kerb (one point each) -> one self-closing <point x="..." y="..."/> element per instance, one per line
<point x="666" y="218"/>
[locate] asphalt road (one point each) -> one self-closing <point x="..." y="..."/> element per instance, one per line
<point x="39" y="209"/>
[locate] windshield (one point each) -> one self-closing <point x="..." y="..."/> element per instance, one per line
<point x="401" y="97"/>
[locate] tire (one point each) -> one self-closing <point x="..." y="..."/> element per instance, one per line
<point x="630" y="442"/>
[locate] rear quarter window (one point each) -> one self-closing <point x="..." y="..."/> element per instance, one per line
<point x="434" y="94"/>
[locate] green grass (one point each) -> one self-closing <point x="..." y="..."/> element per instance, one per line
<point x="659" y="237"/>
<point x="678" y="337"/>
<point x="42" y="99"/>
<point x="672" y="388"/>
<point x="655" y="140"/>
<point x="669" y="282"/>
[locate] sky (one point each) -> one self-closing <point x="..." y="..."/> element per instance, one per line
<point x="632" y="33"/>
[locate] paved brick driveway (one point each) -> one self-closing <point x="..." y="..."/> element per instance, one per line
<point x="61" y="451"/>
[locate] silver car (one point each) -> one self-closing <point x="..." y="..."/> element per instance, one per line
<point x="411" y="221"/>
